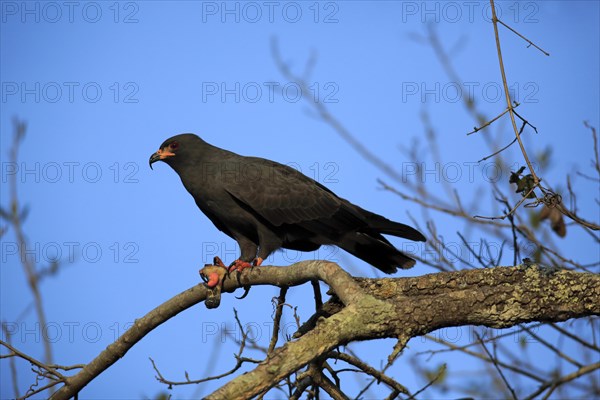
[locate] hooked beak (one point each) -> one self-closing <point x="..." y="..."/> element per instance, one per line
<point x="160" y="155"/>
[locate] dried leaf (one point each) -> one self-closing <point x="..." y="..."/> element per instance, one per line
<point x="557" y="221"/>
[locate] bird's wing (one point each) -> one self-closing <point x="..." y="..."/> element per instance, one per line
<point x="282" y="195"/>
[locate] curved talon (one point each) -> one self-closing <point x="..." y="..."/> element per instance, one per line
<point x="239" y="265"/>
<point x="217" y="261"/>
<point x="246" y="291"/>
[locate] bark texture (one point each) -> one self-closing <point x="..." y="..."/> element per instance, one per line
<point x="366" y="309"/>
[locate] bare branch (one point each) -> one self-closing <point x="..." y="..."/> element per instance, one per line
<point x="524" y="38"/>
<point x="238" y="357"/>
<point x="366" y="317"/>
<point x="328" y="118"/>
<point x="563" y="379"/>
<point x="596" y="163"/>
<point x="491" y="121"/>
<point x="494" y="361"/>
<point x="12" y="364"/>
<point x="439" y="374"/>
<point x="277" y="319"/>
<point x="329" y="387"/>
<point x="575" y="338"/>
<point x="464" y="349"/>
<point x="552" y="348"/>
<point x="15" y="220"/>
<point x="43" y="370"/>
<point x="507" y="94"/>
<point x="367" y="369"/>
<point x="347" y="289"/>
<point x="512" y="210"/>
<point x="505" y="147"/>
<point x="358" y="322"/>
<point x="456" y="213"/>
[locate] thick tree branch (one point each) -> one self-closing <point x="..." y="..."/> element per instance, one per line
<point x="294" y="275"/>
<point x="376" y="308"/>
<point x="498" y="297"/>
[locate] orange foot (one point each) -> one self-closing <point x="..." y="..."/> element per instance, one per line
<point x="214" y="274"/>
<point x="239" y="265"/>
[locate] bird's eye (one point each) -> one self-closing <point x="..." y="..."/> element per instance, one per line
<point x="174" y="146"/>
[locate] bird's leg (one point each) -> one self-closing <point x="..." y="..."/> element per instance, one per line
<point x="248" y="250"/>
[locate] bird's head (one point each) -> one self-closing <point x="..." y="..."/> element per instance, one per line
<point x="175" y="150"/>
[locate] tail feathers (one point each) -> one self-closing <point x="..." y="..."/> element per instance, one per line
<point x="376" y="250"/>
<point x="383" y="225"/>
<point x="399" y="230"/>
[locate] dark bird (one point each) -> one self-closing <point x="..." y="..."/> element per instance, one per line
<point x="266" y="206"/>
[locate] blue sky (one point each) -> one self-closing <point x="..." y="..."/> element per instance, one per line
<point x="102" y="84"/>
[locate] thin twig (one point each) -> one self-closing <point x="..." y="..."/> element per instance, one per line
<point x="494" y="361"/>
<point x="325" y="383"/>
<point x="456" y="213"/>
<point x="333" y="372"/>
<point x="472" y="251"/>
<point x="513" y="228"/>
<point x="52" y="369"/>
<point x="12" y="363"/>
<point x="277" y="318"/>
<point x="576" y="338"/>
<point x="577" y="219"/>
<point x="431" y="382"/>
<point x="396" y="351"/>
<point x="555" y="350"/>
<point x="33" y="392"/>
<point x="491" y="121"/>
<point x="29" y="268"/>
<point x="507" y="95"/>
<point x="43" y="370"/>
<point x="367" y="369"/>
<point x="505" y="147"/>
<point x="524" y="120"/>
<point x="595" y="139"/>
<point x="525" y="372"/>
<point x="238" y="357"/>
<point x="563" y="379"/>
<point x="524" y="38"/>
<point x="328" y="118"/>
<point x="525" y="196"/>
